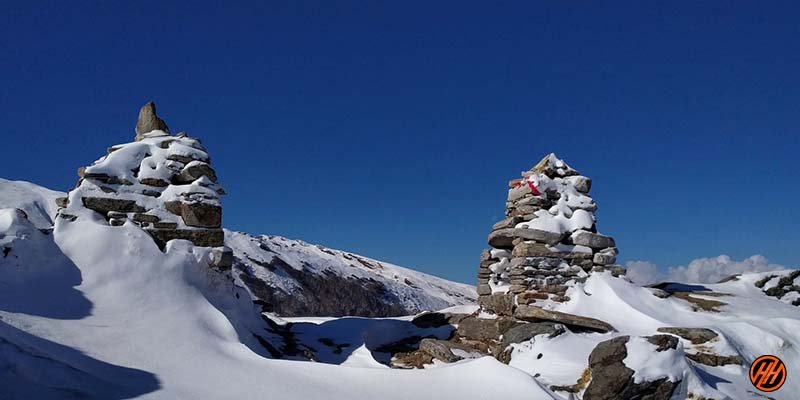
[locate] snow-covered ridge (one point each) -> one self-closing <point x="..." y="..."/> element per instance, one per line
<point x="292" y="277"/>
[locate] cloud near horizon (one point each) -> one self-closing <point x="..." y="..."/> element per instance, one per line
<point x="700" y="270"/>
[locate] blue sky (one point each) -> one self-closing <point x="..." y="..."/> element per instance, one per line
<point x="391" y="128"/>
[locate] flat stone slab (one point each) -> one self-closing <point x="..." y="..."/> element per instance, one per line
<point x="534" y="314"/>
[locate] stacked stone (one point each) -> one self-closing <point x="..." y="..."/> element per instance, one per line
<point x="161" y="183"/>
<point x="547" y="242"/>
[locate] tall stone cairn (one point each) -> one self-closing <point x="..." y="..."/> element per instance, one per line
<point x="160" y="183"/>
<point x="547" y="242"/>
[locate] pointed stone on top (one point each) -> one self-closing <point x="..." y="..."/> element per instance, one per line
<point x="553" y="166"/>
<point x="149" y="121"/>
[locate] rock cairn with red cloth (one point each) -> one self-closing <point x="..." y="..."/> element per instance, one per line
<point x="547" y="242"/>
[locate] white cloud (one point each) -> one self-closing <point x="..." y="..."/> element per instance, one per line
<point x="643" y="272"/>
<point x="700" y="270"/>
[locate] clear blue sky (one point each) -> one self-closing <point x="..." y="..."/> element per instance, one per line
<point x="391" y="128"/>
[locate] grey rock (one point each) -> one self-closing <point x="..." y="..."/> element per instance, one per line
<point x="149" y="121"/>
<point x="535" y="314"/>
<point x="438" y="349"/>
<point x="612" y="380"/>
<point x="714" y="360"/>
<point x="502" y="238"/>
<point x="663" y="342"/>
<point x="593" y="240"/>
<point x="475" y="328"/>
<point x="484" y="289"/>
<point x="525" y="332"/>
<point x="104" y="204"/>
<point x="581" y="183"/>
<point x="534" y="249"/>
<point x="694" y="335"/>
<point x="154" y="182"/>
<point x="538" y="235"/>
<point x="201" y="215"/>
<point x="507" y="223"/>
<point x="498" y="303"/>
<point x="193" y="172"/>
<point x="437" y="319"/>
<point x="139" y="217"/>
<point x="604" y="258"/>
<point x="200" y="237"/>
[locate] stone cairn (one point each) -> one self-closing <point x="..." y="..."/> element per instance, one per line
<point x="161" y="183"/>
<point x="547" y="242"/>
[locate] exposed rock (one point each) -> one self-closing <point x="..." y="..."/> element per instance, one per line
<point x="154" y="182"/>
<point x="139" y="217"/>
<point x="502" y="238"/>
<point x="105" y="204"/>
<point x="538" y="235"/>
<point x="507" y="223"/>
<point x="535" y="314"/>
<point x="534" y="249"/>
<point x="484" y="289"/>
<point x="196" y="170"/>
<point x="714" y="360"/>
<point x="148" y="121"/>
<point x="62" y="201"/>
<point x="484" y="329"/>
<point x="695" y="335"/>
<point x="201" y="215"/>
<point x="612" y="380"/>
<point x="593" y="240"/>
<point x="498" y="303"/>
<point x="663" y="342"/>
<point x="439" y="349"/>
<point x="524" y="332"/>
<point x="200" y="237"/>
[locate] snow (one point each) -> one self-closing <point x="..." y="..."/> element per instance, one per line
<point x="36" y="201"/>
<point x="415" y="291"/>
<point x="98" y="311"/>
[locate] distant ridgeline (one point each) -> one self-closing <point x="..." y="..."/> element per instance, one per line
<point x="162" y="183"/>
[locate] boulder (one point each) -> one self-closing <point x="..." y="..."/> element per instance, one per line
<point x="502" y="238"/>
<point x="62" y="202"/>
<point x="612" y="380"/>
<point x="201" y="215"/>
<point x="439" y="350"/>
<point x="525" y="332"/>
<point x="484" y="289"/>
<point x="498" y="303"/>
<point x="148" y="121"/>
<point x="475" y="328"/>
<point x="663" y="342"/>
<point x="604" y="258"/>
<point x="593" y="240"/>
<point x="536" y="314"/>
<point x="154" y="182"/>
<point x="694" y="335"/>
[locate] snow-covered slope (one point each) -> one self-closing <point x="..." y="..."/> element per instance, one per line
<point x="36" y="201"/>
<point x="128" y="320"/>
<point x="295" y="278"/>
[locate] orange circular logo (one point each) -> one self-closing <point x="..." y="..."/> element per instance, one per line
<point x="767" y="373"/>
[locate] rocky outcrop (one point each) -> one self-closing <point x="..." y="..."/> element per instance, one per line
<point x="612" y="380"/>
<point x="160" y="183"/>
<point x="785" y="286"/>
